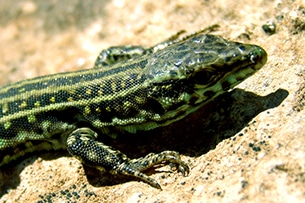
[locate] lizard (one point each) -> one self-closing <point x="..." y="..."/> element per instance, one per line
<point x="130" y="89"/>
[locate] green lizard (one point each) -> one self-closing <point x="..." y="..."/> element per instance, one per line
<point x="130" y="89"/>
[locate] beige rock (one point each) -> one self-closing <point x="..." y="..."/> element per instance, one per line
<point x="245" y="146"/>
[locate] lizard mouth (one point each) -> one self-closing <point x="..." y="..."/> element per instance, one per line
<point x="255" y="60"/>
<point x="252" y="62"/>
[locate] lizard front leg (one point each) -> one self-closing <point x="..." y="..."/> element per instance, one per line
<point x="81" y="143"/>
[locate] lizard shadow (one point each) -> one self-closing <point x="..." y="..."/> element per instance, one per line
<point x="195" y="135"/>
<point x="192" y="136"/>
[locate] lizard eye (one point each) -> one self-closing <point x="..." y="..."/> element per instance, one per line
<point x="203" y="77"/>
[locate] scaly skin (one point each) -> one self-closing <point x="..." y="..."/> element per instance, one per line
<point x="144" y="89"/>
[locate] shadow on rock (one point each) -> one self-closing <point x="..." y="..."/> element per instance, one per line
<point x="198" y="133"/>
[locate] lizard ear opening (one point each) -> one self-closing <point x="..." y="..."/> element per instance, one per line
<point x="154" y="106"/>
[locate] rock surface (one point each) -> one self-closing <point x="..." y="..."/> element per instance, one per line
<point x="247" y="145"/>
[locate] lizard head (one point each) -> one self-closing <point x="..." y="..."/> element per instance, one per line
<point x="188" y="74"/>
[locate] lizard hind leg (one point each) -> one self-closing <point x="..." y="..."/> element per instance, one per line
<point x="81" y="144"/>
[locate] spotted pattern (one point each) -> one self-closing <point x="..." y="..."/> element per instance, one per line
<point x="130" y="89"/>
